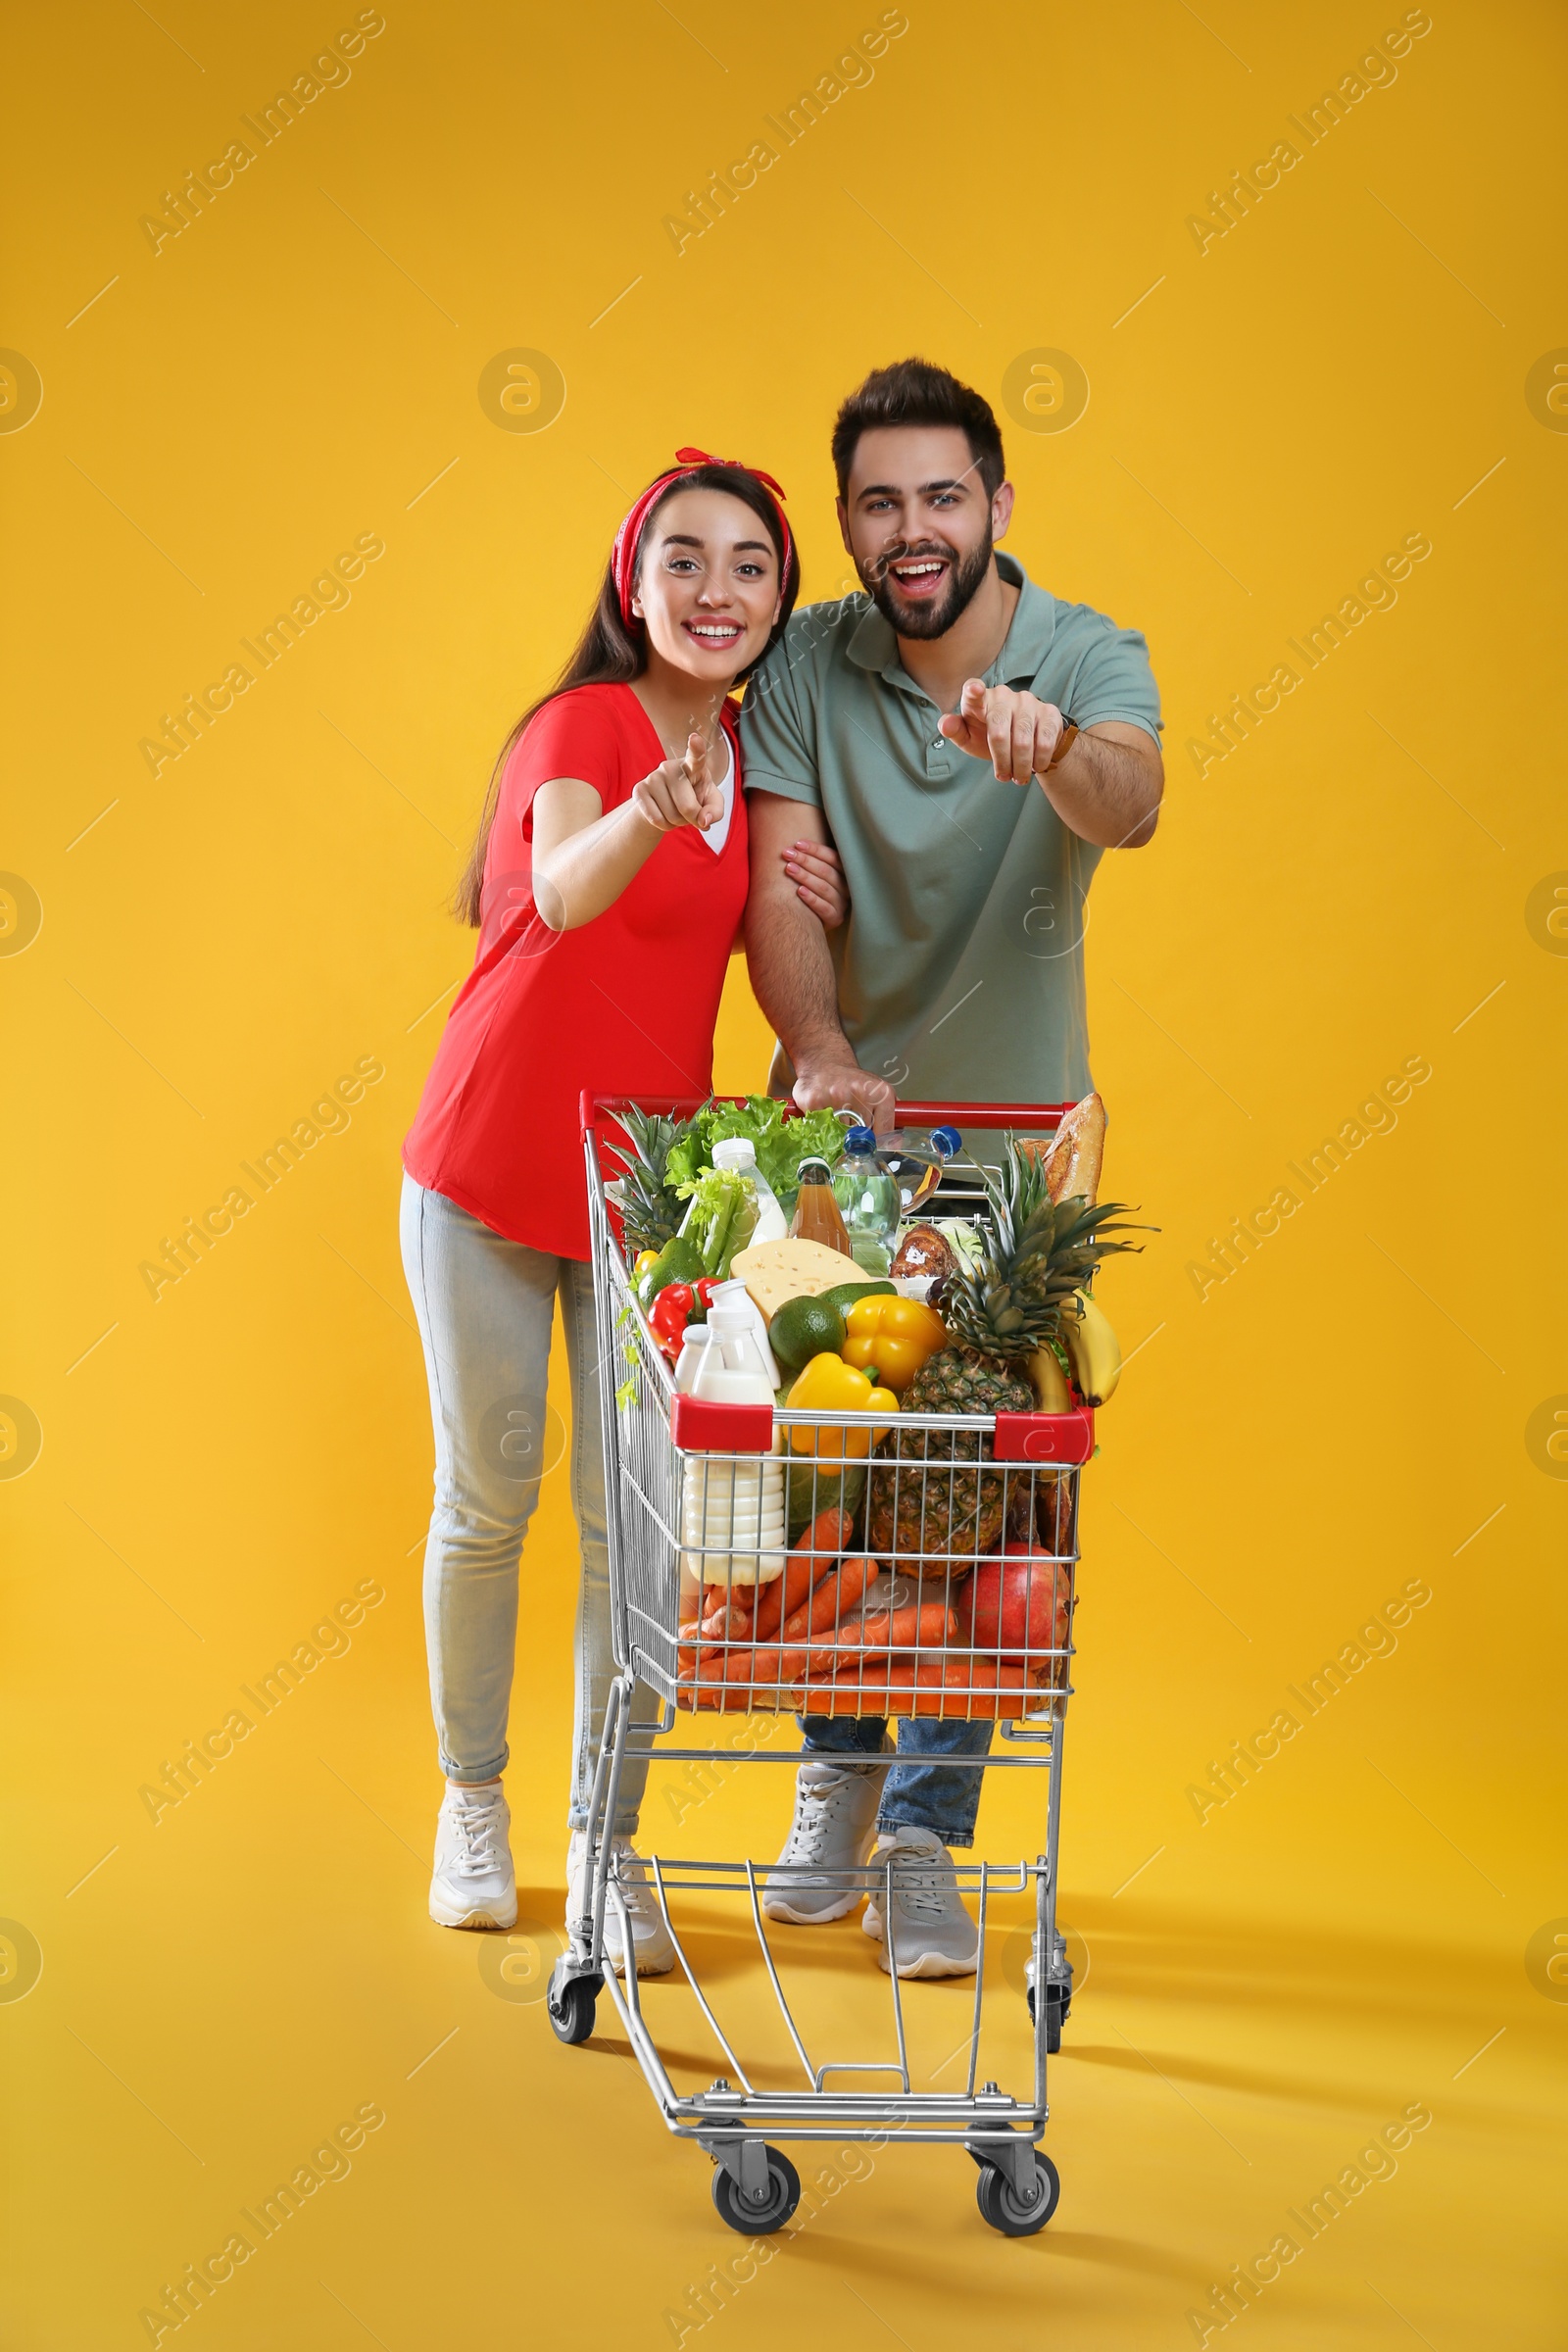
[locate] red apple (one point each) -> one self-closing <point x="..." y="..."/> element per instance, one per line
<point x="1016" y="1604"/>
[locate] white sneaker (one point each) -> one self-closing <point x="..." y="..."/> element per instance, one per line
<point x="835" y="1821"/>
<point x="652" y="1947"/>
<point x="932" y="1934"/>
<point x="473" y="1885"/>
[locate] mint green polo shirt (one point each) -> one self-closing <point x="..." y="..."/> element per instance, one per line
<point x="961" y="970"/>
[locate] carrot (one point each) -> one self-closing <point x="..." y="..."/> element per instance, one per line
<point x="928" y="1627"/>
<point x="730" y="1621"/>
<point x="916" y="1626"/>
<point x="824" y="1664"/>
<point x="809" y="1560"/>
<point x="879" y="1672"/>
<point x="720" y="1678"/>
<point x="833" y="1599"/>
<point x="747" y="1663"/>
<point x="724" y="1594"/>
<point x="711" y="1699"/>
<point x="994" y="1691"/>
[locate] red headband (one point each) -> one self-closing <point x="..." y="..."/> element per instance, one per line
<point x="623" y="555"/>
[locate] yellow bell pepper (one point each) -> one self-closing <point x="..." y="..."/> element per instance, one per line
<point x="896" y="1334"/>
<point x="828" y="1385"/>
<point x="645" y="1259"/>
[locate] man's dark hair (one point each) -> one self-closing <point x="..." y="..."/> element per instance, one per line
<point x="915" y="392"/>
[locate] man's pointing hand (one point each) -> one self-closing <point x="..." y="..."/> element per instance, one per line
<point x="1016" y="731"/>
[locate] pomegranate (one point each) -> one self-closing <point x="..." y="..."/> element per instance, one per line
<point x="1014" y="1604"/>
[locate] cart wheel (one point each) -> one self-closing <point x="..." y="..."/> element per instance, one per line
<point x="755" y="2219"/>
<point x="981" y="2155"/>
<point x="571" y="2008"/>
<point x="1002" y="2206"/>
<point x="1058" y="2000"/>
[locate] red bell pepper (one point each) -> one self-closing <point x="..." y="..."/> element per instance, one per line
<point x="705" y="1294"/>
<point x="670" y="1315"/>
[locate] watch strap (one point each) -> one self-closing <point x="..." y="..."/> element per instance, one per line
<point x="1064" y="743"/>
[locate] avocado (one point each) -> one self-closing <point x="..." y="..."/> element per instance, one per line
<point x="806" y="1327"/>
<point x="847" y="1293"/>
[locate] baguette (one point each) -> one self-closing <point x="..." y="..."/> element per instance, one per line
<point x="1073" y="1157"/>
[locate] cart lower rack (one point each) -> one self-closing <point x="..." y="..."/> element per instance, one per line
<point x="922" y="1567"/>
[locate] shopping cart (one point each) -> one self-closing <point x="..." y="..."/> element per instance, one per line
<point x="888" y="1536"/>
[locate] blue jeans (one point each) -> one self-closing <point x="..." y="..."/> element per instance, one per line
<point x="914" y="1795"/>
<point x="484" y="1307"/>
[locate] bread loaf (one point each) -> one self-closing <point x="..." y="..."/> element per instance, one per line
<point x="1075" y="1153"/>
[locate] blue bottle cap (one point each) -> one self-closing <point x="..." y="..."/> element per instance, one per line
<point x="860" y="1139"/>
<point x="947" y="1140"/>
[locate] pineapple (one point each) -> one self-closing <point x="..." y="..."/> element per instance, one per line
<point x="650" y="1216"/>
<point x="998" y="1312"/>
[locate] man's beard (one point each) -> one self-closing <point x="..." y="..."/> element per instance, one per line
<point x="937" y="619"/>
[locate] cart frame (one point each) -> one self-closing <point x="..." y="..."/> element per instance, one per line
<point x="656" y="1446"/>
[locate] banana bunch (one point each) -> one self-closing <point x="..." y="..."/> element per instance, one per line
<point x="1092" y="1350"/>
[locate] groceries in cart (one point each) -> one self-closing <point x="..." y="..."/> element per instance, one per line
<point x="854" y="1494"/>
<point x="886" y="1553"/>
<point x="668" y="1156"/>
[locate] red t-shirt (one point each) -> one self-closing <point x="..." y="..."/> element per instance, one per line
<point x="626" y="1004"/>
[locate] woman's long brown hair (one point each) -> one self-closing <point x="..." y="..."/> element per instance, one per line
<point x="609" y="652"/>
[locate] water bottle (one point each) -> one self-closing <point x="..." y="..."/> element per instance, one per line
<point x="732" y="1510"/>
<point x="867" y="1195"/>
<point x="914" y="1158"/>
<point x="740" y="1153"/>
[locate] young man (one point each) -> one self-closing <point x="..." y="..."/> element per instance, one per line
<point x="970" y="745"/>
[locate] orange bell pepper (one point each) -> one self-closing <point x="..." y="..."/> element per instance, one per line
<point x="897" y="1335"/>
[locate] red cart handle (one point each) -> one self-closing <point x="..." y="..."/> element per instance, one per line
<point x="1064" y="1441"/>
<point x="975" y="1114"/>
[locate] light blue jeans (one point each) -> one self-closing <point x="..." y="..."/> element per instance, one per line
<point x="484" y="1307"/>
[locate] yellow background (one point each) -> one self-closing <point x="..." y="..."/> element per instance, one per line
<point x="1346" y="890"/>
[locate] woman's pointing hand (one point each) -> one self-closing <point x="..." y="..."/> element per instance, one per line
<point x="680" y="792"/>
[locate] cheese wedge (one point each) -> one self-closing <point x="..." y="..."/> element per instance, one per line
<point x="774" y="1271"/>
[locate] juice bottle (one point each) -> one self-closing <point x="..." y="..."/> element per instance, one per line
<point x="816" y="1213"/>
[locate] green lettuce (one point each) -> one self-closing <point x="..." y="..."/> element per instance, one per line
<point x="721" y="1218"/>
<point x="781" y="1144"/>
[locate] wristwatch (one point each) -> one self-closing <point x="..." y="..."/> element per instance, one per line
<point x="1064" y="743"/>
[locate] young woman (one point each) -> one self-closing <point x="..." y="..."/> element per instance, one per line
<point x="607" y="884"/>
